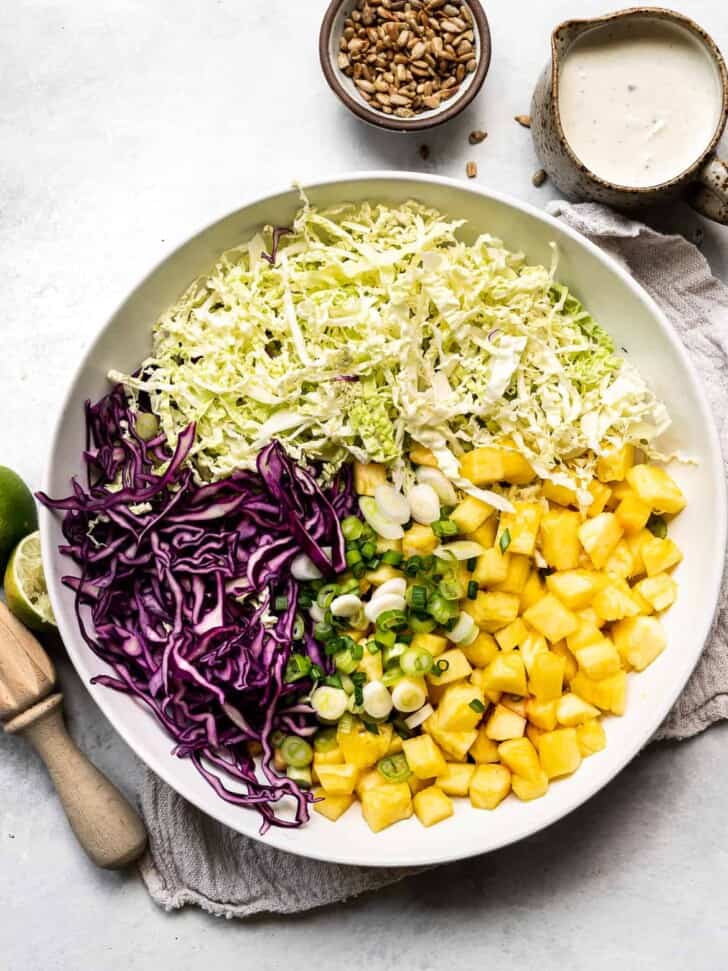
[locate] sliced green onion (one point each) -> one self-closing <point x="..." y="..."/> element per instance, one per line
<point x="418" y="598"/>
<point x="277" y="737"/>
<point x="353" y="557"/>
<point x="441" y="609"/>
<point x="413" y="566"/>
<point x="444" y="528"/>
<point x="352" y="527"/>
<point x="347" y="684"/>
<point x="349" y="586"/>
<point x="471" y="563"/>
<point x="347" y="724"/>
<point x="316" y="672"/>
<point x="421" y="625"/>
<point x="391" y="676"/>
<point x="345" y="661"/>
<point x="368" y="550"/>
<point x="385" y="639"/>
<point x="392" y="557"/>
<point x="505" y="541"/>
<point x="305" y="599"/>
<point x="371" y="728"/>
<point x="372" y="647"/>
<point x="416" y="662"/>
<point x="373" y="563"/>
<point x="440" y="666"/>
<point x="392" y="654"/>
<point x="298" y="629"/>
<point x="392" y="620"/>
<point x="146" y="426"/>
<point x="323" y="631"/>
<point x="359" y="569"/>
<point x="450" y="588"/>
<point x="301" y="776"/>
<point x="401" y="729"/>
<point x="472" y="589"/>
<point x="298" y="666"/>
<point x="325" y="740"/>
<point x="357" y="651"/>
<point x="326" y="594"/>
<point x="296" y="751"/>
<point x="394" y="768"/>
<point x="477" y="705"/>
<point x="333" y="681"/>
<point x="657" y="526"/>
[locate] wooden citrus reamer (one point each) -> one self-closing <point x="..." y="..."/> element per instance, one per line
<point x="106" y="826"/>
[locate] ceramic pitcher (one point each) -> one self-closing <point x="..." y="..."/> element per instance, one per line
<point x="704" y="183"/>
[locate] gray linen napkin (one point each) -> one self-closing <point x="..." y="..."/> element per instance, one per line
<point x="195" y="860"/>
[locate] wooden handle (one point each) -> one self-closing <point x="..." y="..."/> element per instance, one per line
<point x="26" y="671"/>
<point x="105" y="824"/>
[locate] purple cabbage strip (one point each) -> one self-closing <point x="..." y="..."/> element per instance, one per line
<point x="178" y="580"/>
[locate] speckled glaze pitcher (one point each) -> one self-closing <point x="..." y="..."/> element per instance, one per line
<point x="704" y="183"/>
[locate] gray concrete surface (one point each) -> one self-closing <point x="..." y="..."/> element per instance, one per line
<point x="124" y="127"/>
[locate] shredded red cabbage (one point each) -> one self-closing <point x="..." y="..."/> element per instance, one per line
<point x="179" y="581"/>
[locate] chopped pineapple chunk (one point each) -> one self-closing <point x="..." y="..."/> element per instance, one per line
<point x="519" y="568"/>
<point x="547" y="676"/>
<point x="419" y="540"/>
<point x="455" y="781"/>
<point x="534" y="589"/>
<point x="367" y="476"/>
<point x="656" y="488"/>
<point x="483" y="466"/>
<point x="506" y="672"/>
<point x="560" y="538"/>
<point x="601" y="494"/>
<point x="484" y="749"/>
<point x="433" y="643"/>
<point x="482" y="651"/>
<point x="572" y="710"/>
<point x="551" y="618"/>
<point x="432" y="805"/>
<point x="542" y="714"/>
<point x="559" y="752"/>
<point x="489" y="786"/>
<point x="420" y="455"/>
<point x="504" y="723"/>
<point x="510" y="637"/>
<point x="521" y="758"/>
<point x="522" y="526"/>
<point x="491" y="567"/>
<point x="458" y="667"/>
<point x="576" y="588"/>
<point x="527" y="789"/>
<point x="460" y="708"/>
<point x="632" y="513"/>
<point x="363" y="749"/>
<point x="613" y="466"/>
<point x="659" y="555"/>
<point x="598" y="660"/>
<point x="660" y="591"/>
<point x="470" y="514"/>
<point x="590" y="737"/>
<point x="639" y="640"/>
<point x="492" y="610"/>
<point x="330" y="806"/>
<point x="599" y="536"/>
<point x="338" y="780"/>
<point x="383" y="805"/>
<point x="424" y="757"/>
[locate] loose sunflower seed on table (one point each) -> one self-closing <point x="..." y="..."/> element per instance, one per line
<point x="408" y="56"/>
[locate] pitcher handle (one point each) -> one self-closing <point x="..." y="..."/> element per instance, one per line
<point x="710" y="194"/>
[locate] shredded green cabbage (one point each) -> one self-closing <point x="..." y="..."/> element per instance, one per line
<point x="376" y="326"/>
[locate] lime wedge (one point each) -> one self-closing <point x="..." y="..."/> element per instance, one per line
<point x="25" y="586"/>
<point x="17" y="511"/>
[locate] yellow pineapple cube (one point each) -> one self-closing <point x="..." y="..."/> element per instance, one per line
<point x="561" y="648"/>
<point x="510" y="637"/>
<point x="516" y="468"/>
<point x="367" y="476"/>
<point x="547" y="676"/>
<point x="599" y="536"/>
<point x="519" y="568"/>
<point x="560" y="538"/>
<point x="482" y="651"/>
<point x="659" y="555"/>
<point x="542" y="714"/>
<point x="492" y="610"/>
<point x="522" y="526"/>
<point x="371" y="665"/>
<point x="484" y="749"/>
<point x="590" y="737"/>
<point x="338" y="780"/>
<point x="613" y="466"/>
<point x="521" y="758"/>
<point x="424" y="757"/>
<point x="656" y="488"/>
<point x="659" y="590"/>
<point x="483" y="466"/>
<point x="485" y="534"/>
<point x="636" y="545"/>
<point x="533" y="734"/>
<point x="609" y="694"/>
<point x="590" y="616"/>
<point x="632" y="513"/>
<point x="489" y="786"/>
<point x="506" y="672"/>
<point x="455" y="781"/>
<point x="533" y="590"/>
<point x="332" y="807"/>
<point x="383" y="805"/>
<point x="460" y="708"/>
<point x="471" y="513"/>
<point x="601" y="494"/>
<point x="431" y="806"/>
<point x="527" y="789"/>
<point x="621" y="560"/>
<point x="433" y="643"/>
<point x="615" y="601"/>
<point x="504" y="723"/>
<point x="514" y="702"/>
<point x="369" y="779"/>
<point x="639" y="640"/>
<point x="419" y="455"/>
<point x="598" y="660"/>
<point x="333" y="757"/>
<point x="493" y="696"/>
<point x="572" y="710"/>
<point x="384" y="545"/>
<point x="419" y="540"/>
<point x="576" y="588"/>
<point x="551" y="618"/>
<point x="417" y="785"/>
<point x="458" y="667"/>
<point x="561" y="495"/>
<point x="362" y="748"/>
<point x="532" y="646"/>
<point x="491" y="567"/>
<point x="559" y="752"/>
<point x="455" y="744"/>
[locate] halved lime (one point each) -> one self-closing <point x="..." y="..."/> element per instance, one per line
<point x="25" y="586"/>
<point x="17" y="512"/>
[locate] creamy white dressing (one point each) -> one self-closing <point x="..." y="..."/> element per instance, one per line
<point x="639" y="100"/>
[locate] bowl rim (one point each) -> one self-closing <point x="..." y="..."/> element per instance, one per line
<point x="352" y="855"/>
<point x="391" y="123"/>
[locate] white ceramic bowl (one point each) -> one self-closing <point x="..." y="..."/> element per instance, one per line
<point x="636" y="324"/>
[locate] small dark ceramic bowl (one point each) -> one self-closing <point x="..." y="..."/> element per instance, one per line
<point x="344" y="87"/>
